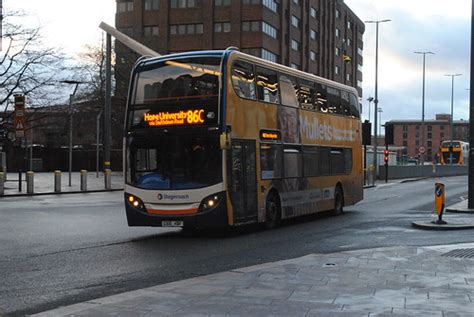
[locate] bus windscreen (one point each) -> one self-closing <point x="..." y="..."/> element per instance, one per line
<point x="178" y="92"/>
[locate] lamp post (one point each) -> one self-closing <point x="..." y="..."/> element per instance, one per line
<point x="452" y="118"/>
<point x="423" y="107"/>
<point x="380" y="119"/>
<point x="71" y="100"/>
<point x="376" y="101"/>
<point x="370" y="99"/>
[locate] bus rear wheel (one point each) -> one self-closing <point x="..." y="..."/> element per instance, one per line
<point x="338" y="200"/>
<point x="272" y="212"/>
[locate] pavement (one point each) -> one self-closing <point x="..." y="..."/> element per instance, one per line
<point x="395" y="281"/>
<point x="44" y="183"/>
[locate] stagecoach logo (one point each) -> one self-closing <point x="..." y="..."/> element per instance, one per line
<point x="172" y="197"/>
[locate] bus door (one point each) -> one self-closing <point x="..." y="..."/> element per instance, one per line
<point x="243" y="180"/>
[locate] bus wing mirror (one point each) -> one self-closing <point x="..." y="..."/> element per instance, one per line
<point x="225" y="141"/>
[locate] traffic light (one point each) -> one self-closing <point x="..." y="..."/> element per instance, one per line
<point x="389" y="134"/>
<point x="385" y="156"/>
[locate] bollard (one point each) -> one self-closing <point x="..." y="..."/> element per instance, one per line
<point x="108" y="178"/>
<point x="19" y="181"/>
<point x="440" y="198"/>
<point x="30" y="183"/>
<point x="57" y="181"/>
<point x="83" y="180"/>
<point x="2" y="183"/>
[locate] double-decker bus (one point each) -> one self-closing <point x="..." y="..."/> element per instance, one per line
<point x="459" y="153"/>
<point x="222" y="138"/>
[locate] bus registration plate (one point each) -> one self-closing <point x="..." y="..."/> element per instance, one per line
<point x="171" y="223"/>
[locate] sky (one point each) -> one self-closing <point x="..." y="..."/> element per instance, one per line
<point x="416" y="25"/>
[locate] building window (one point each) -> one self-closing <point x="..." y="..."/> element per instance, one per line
<point x="336" y="70"/>
<point x="182" y="4"/>
<point x="338" y="14"/>
<point x="312" y="56"/>
<point x="348" y="42"/>
<point x="152" y="5"/>
<point x="270" y="4"/>
<point x="405" y="143"/>
<point x="269" y="56"/>
<point x="182" y="29"/>
<point x="349" y="25"/>
<point x="430" y="128"/>
<point x="441" y="135"/>
<point x="295" y="21"/>
<point x="417" y="142"/>
<point x="295" y="45"/>
<point x="126" y="6"/>
<point x="429" y="143"/>
<point x="338" y="51"/>
<point x="221" y="3"/>
<point x="429" y="135"/>
<point x="441" y="127"/>
<point x="294" y="66"/>
<point x="312" y="34"/>
<point x="348" y="77"/>
<point x="269" y="30"/>
<point x="251" y="26"/>
<point x="338" y="32"/>
<point x="296" y="2"/>
<point x="405" y="135"/>
<point x="313" y="12"/>
<point x="151" y="30"/>
<point x="222" y="27"/>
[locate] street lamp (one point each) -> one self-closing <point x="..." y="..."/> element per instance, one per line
<point x="71" y="99"/>
<point x="380" y="119"/>
<point x="452" y="117"/>
<point x="376" y="101"/>
<point x="370" y="99"/>
<point x="423" y="107"/>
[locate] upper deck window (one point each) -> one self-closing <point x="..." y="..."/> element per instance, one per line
<point x="178" y="79"/>
<point x="267" y="85"/>
<point x="243" y="80"/>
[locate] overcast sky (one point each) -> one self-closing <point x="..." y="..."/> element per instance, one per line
<point x="417" y="25"/>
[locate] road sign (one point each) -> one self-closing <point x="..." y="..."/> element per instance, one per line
<point x="422" y="150"/>
<point x="19" y="116"/>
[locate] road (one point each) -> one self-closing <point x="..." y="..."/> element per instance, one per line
<point x="60" y="250"/>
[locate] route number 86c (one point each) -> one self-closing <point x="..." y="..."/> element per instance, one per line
<point x="195" y="116"/>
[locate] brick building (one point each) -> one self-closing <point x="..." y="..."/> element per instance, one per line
<point x="407" y="133"/>
<point x="323" y="37"/>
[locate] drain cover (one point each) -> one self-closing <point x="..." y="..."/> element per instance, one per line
<point x="460" y="253"/>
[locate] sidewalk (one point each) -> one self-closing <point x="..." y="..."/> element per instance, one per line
<point x="44" y="183"/>
<point x="398" y="281"/>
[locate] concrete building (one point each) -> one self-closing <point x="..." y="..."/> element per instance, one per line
<point x="323" y="37"/>
<point x="407" y="133"/>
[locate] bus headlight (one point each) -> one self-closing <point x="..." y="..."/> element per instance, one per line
<point x="135" y="202"/>
<point x="211" y="201"/>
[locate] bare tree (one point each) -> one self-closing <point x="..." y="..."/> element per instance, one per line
<point x="26" y="65"/>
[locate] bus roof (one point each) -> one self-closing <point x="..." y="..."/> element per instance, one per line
<point x="257" y="60"/>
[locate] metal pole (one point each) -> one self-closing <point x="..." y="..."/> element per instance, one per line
<point x="70" y="137"/>
<point x="470" y="200"/>
<point x="422" y="156"/>
<point x="452" y="117"/>
<point x="452" y="121"/>
<point x="376" y="100"/>
<point x="97" y="147"/>
<point x="107" y="109"/>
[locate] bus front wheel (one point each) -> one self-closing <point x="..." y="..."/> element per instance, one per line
<point x="338" y="200"/>
<point x="272" y="211"/>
